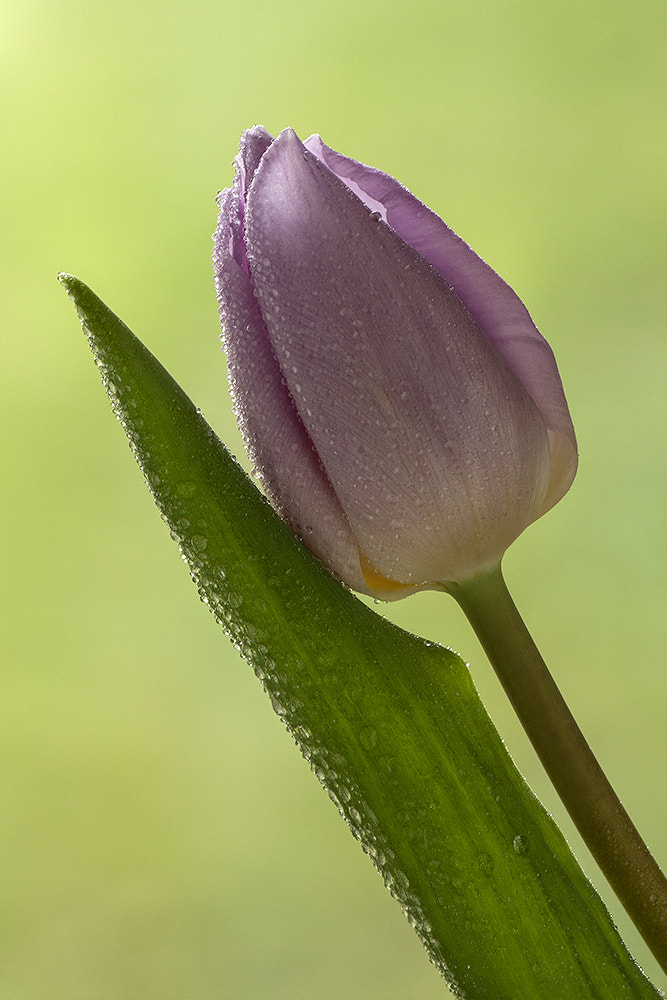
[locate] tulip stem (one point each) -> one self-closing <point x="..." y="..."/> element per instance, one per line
<point x="578" y="778"/>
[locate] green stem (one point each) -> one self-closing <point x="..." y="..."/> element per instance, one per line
<point x="578" y="778"/>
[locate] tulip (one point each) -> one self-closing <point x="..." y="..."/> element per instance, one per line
<point x="403" y="413"/>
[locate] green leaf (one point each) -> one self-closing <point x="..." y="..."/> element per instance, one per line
<point x="390" y="724"/>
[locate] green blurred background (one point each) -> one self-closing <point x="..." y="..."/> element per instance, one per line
<point x="161" y="837"/>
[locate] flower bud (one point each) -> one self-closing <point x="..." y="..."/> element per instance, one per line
<point x="405" y="416"/>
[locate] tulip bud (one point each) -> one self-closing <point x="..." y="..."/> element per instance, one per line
<point x="405" y="416"/>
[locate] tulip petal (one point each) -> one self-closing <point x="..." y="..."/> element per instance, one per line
<point x="254" y="143"/>
<point x="494" y="305"/>
<point x="275" y="438"/>
<point x="409" y="406"/>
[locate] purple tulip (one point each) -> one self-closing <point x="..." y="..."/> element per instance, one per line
<point x="404" y="414"/>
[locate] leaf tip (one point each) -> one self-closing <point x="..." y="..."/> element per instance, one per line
<point x="67" y="280"/>
<point x="75" y="289"/>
